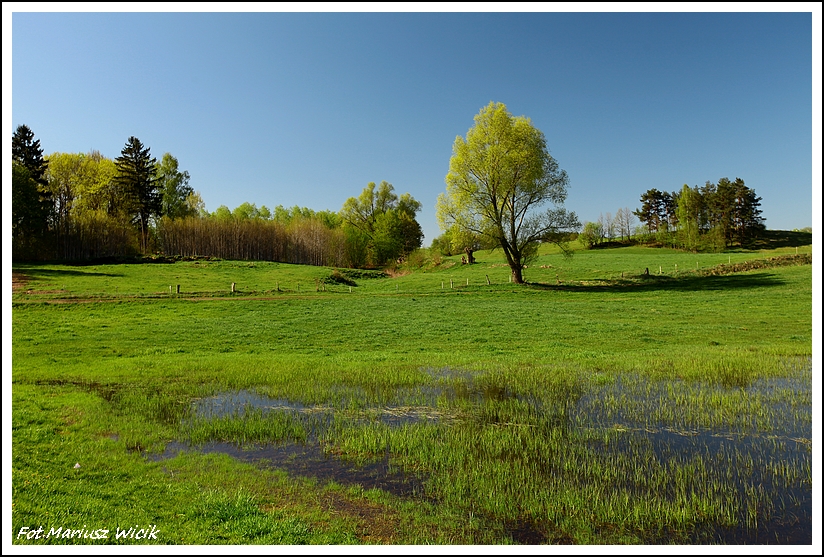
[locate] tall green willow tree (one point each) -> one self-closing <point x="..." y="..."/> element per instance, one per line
<point x="499" y="177"/>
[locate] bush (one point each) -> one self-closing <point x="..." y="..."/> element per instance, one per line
<point x="338" y="278"/>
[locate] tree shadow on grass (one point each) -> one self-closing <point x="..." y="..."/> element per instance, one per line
<point x="35" y="272"/>
<point x="773" y="239"/>
<point x="650" y="283"/>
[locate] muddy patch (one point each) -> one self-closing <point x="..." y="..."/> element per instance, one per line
<point x="19" y="281"/>
<point x="299" y="450"/>
<point x="309" y="460"/>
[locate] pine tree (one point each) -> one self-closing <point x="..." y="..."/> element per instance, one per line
<point x="747" y="219"/>
<point x="27" y="151"/>
<point x="31" y="199"/>
<point x="138" y="184"/>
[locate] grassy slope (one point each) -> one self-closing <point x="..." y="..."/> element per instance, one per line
<point x="93" y="379"/>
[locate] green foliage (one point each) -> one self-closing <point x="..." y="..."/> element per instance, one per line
<point x="27" y="151"/>
<point x="138" y="186"/>
<point x="688" y="212"/>
<point x="384" y="225"/>
<point x="174" y="189"/>
<point x="498" y="176"/>
<point x="247" y="211"/>
<point x="443" y="243"/>
<point x="95" y="190"/>
<point x="30" y="196"/>
<point x="28" y="213"/>
<point x="222" y="213"/>
<point x="656" y="210"/>
<point x="712" y="217"/>
<point x="337" y="277"/>
<point x="735" y="209"/>
<point x="591" y="235"/>
<point x="88" y="217"/>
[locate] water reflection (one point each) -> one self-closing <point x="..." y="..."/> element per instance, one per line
<point x="757" y="435"/>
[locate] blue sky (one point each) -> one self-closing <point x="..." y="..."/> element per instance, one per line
<point x="307" y="108"/>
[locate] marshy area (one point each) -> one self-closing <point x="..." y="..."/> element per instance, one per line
<point x="654" y="461"/>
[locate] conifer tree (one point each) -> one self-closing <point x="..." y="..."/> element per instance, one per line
<point x="138" y="186"/>
<point x="26" y="150"/>
<point x="31" y="200"/>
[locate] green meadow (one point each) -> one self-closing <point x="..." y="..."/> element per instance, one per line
<point x="627" y="395"/>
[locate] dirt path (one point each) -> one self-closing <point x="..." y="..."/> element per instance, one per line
<point x="19" y="281"/>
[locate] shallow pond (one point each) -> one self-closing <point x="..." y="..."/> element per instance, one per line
<point x="751" y="435"/>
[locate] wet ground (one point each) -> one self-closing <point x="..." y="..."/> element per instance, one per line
<point x="785" y="437"/>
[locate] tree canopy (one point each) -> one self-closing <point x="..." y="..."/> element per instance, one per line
<point x="714" y="215"/>
<point x="499" y="176"/>
<point x="174" y="189"/>
<point x="382" y="223"/>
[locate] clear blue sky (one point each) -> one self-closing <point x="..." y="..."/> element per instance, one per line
<point x="307" y="108"/>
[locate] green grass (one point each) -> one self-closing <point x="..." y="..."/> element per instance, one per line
<point x="555" y="400"/>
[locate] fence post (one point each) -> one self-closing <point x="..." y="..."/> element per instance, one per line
<point x="233" y="288"/>
<point x="487" y="280"/>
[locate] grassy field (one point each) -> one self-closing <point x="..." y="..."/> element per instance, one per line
<point x="438" y="403"/>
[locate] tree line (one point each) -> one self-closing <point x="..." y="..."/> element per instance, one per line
<point x="501" y="177"/>
<point x="714" y="216"/>
<point x="84" y="206"/>
<point x="711" y="217"/>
